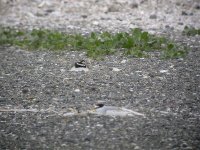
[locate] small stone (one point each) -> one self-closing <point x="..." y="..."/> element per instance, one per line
<point x="123" y="61"/>
<point x="178" y="3"/>
<point x="119" y="19"/>
<point x="145" y="76"/>
<point x="95" y="23"/>
<point x="40" y="14"/>
<point x="180" y="23"/>
<point x="197" y="7"/>
<point x="134" y="5"/>
<point x="41" y="4"/>
<point x="50" y="10"/>
<point x="113" y="9"/>
<point x="25" y="91"/>
<point x="163" y="71"/>
<point x="62" y="70"/>
<point x="154" y="16"/>
<point x="77" y="90"/>
<point x="131" y="90"/>
<point x="138" y="19"/>
<point x="84" y="16"/>
<point x="116" y="69"/>
<point x="169" y="27"/>
<point x="186" y="14"/>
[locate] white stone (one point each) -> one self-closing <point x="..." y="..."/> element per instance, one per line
<point x="77" y="90"/>
<point x="95" y="23"/>
<point x="62" y="70"/>
<point x="123" y="61"/>
<point x="116" y="69"/>
<point x="145" y="76"/>
<point x="163" y="71"/>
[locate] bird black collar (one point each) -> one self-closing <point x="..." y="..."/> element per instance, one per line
<point x="80" y="64"/>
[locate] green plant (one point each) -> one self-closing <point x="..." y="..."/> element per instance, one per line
<point x="136" y="43"/>
<point x="191" y="31"/>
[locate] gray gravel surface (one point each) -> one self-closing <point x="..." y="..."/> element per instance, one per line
<point x="37" y="89"/>
<point x="42" y="81"/>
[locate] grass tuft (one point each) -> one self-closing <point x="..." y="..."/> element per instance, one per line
<point x="136" y="43"/>
<point x="191" y="31"/>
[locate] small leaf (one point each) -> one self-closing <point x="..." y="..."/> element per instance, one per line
<point x="170" y="46"/>
<point x="145" y="36"/>
<point x="93" y="35"/>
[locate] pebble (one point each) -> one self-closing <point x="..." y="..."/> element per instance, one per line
<point x="116" y="69"/>
<point x="163" y="71"/>
<point x="153" y="16"/>
<point x="197" y="7"/>
<point x="95" y="23"/>
<point x="123" y="61"/>
<point x="186" y="14"/>
<point x="77" y="90"/>
<point x="134" y="5"/>
<point x="84" y="16"/>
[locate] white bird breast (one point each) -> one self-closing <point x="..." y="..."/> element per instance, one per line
<point x="79" y="69"/>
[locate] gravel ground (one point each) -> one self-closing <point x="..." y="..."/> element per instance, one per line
<point x="37" y="88"/>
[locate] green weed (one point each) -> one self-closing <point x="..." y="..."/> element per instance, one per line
<point x="136" y="43"/>
<point x="191" y="31"/>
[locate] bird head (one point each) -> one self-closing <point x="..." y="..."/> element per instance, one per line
<point x="99" y="105"/>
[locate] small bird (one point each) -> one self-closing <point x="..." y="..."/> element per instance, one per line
<point x="80" y="64"/>
<point x="101" y="109"/>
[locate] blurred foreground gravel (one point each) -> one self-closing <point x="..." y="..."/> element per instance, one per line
<point x="37" y="89"/>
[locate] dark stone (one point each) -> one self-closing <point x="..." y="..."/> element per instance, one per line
<point x="87" y="139"/>
<point x="187" y="14"/>
<point x="134" y="5"/>
<point x="41" y="15"/>
<point x="84" y="16"/>
<point x="105" y="18"/>
<point x="50" y="10"/>
<point x="178" y="3"/>
<point x="197" y="7"/>
<point x="113" y="9"/>
<point x="184" y="13"/>
<point x="169" y="27"/>
<point x="154" y="16"/>
<point x="119" y="19"/>
<point x="180" y="23"/>
<point x="25" y="91"/>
